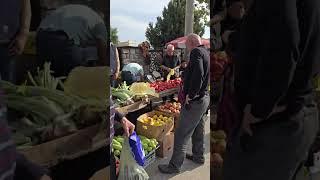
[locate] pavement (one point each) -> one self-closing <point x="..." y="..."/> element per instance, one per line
<point x="189" y="169"/>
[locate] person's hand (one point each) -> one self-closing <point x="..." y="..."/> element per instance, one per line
<point x="188" y="99"/>
<point x="248" y="119"/>
<point x="45" y="177"/>
<point x="115" y="76"/>
<point x="216" y="19"/>
<point x="128" y="127"/>
<point x="226" y="35"/>
<point x="16" y="47"/>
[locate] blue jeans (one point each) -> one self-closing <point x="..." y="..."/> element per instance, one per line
<point x="7" y="65"/>
<point x="55" y="47"/>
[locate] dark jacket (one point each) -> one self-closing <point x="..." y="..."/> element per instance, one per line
<point x="196" y="77"/>
<point x="277" y="54"/>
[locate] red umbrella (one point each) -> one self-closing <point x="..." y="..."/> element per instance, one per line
<point x="181" y="42"/>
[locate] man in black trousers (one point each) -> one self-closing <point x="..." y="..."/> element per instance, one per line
<point x="192" y="117"/>
<point x="277" y="58"/>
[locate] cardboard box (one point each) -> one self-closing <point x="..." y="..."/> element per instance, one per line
<point x="149" y="131"/>
<point x="166" y="145"/>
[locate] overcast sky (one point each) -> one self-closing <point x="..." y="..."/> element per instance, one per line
<point x="131" y="17"/>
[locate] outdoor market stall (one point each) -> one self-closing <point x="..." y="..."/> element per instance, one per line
<point x="154" y="122"/>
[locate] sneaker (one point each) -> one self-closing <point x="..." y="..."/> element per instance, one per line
<point x="167" y="169"/>
<point x="197" y="161"/>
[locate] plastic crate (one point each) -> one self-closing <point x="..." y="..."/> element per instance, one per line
<point x="150" y="158"/>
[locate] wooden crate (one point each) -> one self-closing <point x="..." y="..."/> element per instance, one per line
<point x="168" y="92"/>
<point x="132" y="108"/>
<point x="157" y="132"/>
<point x="68" y="147"/>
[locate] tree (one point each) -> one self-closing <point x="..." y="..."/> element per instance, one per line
<point x="171" y="25"/>
<point x="114" y="35"/>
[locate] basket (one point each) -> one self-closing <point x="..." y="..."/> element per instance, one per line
<point x="156" y="132"/>
<point x="150" y="158"/>
<point x="175" y="115"/>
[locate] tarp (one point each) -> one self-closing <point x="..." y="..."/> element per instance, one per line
<point x="181" y="42"/>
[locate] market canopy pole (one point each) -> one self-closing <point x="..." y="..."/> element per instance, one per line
<point x="189" y="16"/>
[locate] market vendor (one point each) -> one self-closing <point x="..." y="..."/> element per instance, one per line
<point x="132" y="72"/>
<point x="15" y="18"/>
<point x="68" y="35"/>
<point x="170" y="61"/>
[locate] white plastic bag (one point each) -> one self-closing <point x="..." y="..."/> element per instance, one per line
<point x="129" y="169"/>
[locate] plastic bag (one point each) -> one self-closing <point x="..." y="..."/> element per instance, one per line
<point x="129" y="169"/>
<point x="137" y="149"/>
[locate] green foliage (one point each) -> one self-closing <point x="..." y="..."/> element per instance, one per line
<point x="171" y="24"/>
<point x="114" y="35"/>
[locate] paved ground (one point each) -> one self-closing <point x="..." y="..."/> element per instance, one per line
<point x="189" y="169"/>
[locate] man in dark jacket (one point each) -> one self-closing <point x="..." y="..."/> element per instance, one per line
<point x="196" y="82"/>
<point x="218" y="13"/>
<point x="276" y="59"/>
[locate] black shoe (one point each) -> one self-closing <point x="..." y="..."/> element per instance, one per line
<point x="167" y="169"/>
<point x="197" y="161"/>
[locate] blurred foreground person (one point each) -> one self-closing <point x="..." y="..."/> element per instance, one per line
<point x="68" y="35"/>
<point x="274" y="69"/>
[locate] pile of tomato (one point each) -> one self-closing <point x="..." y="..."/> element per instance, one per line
<point x="162" y="86"/>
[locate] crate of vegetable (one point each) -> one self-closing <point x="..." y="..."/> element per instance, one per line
<point x="149" y="146"/>
<point x="172" y="108"/>
<point x="155" y="124"/>
<point x="167" y="87"/>
<point x="41" y="114"/>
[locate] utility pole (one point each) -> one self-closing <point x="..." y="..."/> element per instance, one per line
<point x="189" y="17"/>
<point x="188" y="28"/>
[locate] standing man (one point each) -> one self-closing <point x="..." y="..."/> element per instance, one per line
<point x="114" y="64"/>
<point x="65" y="33"/>
<point x="273" y="85"/>
<point x="196" y="82"/>
<point x="15" y="18"/>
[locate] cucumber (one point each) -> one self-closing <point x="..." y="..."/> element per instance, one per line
<point x="117" y="147"/>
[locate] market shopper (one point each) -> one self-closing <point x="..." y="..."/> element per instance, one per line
<point x="15" y="166"/>
<point x="132" y="72"/>
<point x="68" y="35"/>
<point x="114" y="64"/>
<point x="128" y="128"/>
<point x="192" y="117"/>
<point x="274" y="68"/>
<point x="15" y="18"/>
